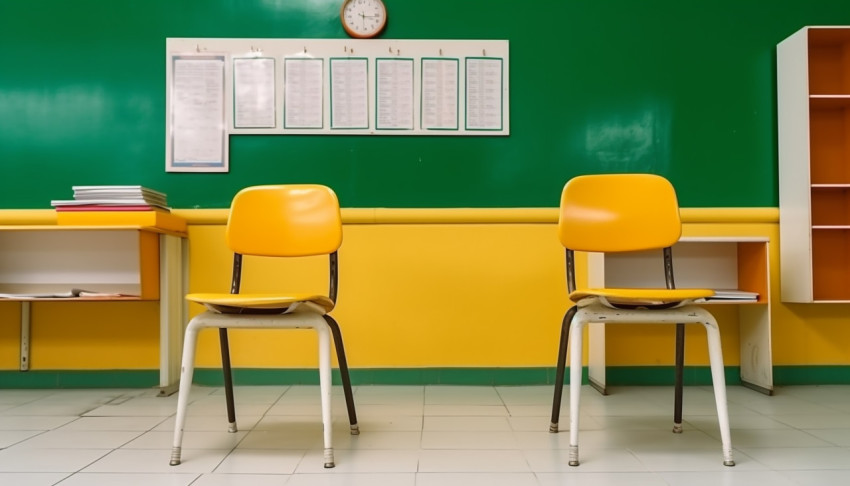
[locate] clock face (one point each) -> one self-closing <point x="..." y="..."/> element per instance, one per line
<point x="363" y="18"/>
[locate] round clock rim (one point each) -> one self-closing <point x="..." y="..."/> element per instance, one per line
<point x="355" y="34"/>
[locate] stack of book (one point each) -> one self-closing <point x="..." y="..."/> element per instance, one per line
<point x="112" y="198"/>
<point x="117" y="206"/>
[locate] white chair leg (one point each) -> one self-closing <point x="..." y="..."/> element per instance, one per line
<point x="186" y="372"/>
<point x="576" y="337"/>
<point x="715" y="355"/>
<point x="325" y="390"/>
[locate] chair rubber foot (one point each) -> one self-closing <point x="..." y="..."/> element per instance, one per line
<point x="329" y="465"/>
<point x="729" y="463"/>
<point x="573" y="455"/>
<point x="329" y="458"/>
<point x="232" y="428"/>
<point x="553" y="428"/>
<point x="355" y="429"/>
<point x="677" y="428"/>
<point x="176" y="452"/>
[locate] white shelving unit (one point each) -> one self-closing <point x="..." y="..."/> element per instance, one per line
<point x="813" y="90"/>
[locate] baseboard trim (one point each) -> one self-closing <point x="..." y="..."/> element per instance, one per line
<point x="615" y="376"/>
<point x="79" y="379"/>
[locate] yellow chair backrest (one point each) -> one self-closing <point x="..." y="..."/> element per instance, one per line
<point x="619" y="212"/>
<point x="285" y="220"/>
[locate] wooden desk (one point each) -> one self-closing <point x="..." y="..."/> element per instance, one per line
<point x="136" y="254"/>
<point x="717" y="262"/>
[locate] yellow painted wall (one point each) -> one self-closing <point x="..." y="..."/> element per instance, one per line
<point x="83" y="335"/>
<point x="414" y="293"/>
<point x="10" y="333"/>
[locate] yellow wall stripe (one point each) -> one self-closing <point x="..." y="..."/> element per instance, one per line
<point x="432" y="215"/>
<point x="494" y="215"/>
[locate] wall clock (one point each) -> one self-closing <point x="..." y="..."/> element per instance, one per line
<point x="363" y="19"/>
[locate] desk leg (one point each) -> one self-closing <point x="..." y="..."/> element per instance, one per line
<point x="172" y="285"/>
<point x="25" y="336"/>
<point x="756" y="355"/>
<point x="596" y="357"/>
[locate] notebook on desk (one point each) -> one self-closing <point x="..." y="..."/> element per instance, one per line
<point x="733" y="295"/>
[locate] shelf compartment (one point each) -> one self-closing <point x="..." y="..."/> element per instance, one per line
<point x="831" y="206"/>
<point x="829" y="61"/>
<point x="831" y="264"/>
<point x="830" y="144"/>
<point x="109" y="261"/>
<point x="753" y="269"/>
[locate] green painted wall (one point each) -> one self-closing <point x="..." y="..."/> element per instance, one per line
<point x="680" y="88"/>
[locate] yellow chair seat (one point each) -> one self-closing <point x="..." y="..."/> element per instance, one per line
<point x="642" y="296"/>
<point x="245" y="303"/>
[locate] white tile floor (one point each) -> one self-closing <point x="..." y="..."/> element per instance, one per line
<point x="423" y="436"/>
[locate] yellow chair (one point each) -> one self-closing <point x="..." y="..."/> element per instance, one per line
<point x="623" y="213"/>
<point x="274" y="221"/>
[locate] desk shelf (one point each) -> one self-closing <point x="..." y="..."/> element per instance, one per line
<point x="699" y="262"/>
<point x="139" y="262"/>
<point x="114" y="261"/>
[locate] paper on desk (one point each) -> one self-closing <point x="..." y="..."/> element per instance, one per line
<point x="58" y="295"/>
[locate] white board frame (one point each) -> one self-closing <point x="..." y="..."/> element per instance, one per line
<point x="327" y="49"/>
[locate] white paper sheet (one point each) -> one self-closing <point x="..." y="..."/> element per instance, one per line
<point x="439" y="93"/>
<point x="253" y="93"/>
<point x="483" y="94"/>
<point x="395" y="94"/>
<point x="302" y="93"/>
<point x="349" y="93"/>
<point x="197" y="110"/>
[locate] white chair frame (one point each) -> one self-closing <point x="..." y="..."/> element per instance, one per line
<point x="298" y="319"/>
<point x="594" y="311"/>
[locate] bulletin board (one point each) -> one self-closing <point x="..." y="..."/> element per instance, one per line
<point x="221" y="87"/>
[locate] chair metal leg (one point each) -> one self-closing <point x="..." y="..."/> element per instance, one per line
<point x="594" y="312"/>
<point x="186" y="372"/>
<point x="228" y="380"/>
<point x="576" y="345"/>
<point x="559" y="370"/>
<point x="718" y="378"/>
<point x="679" y="381"/>
<point x="325" y="388"/>
<point x="343" y="373"/>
